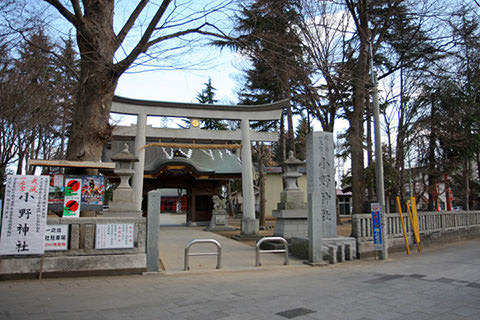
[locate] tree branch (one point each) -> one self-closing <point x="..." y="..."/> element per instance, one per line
<point x="351" y="8"/>
<point x="130" y="22"/>
<point x="63" y="11"/>
<point x="77" y="9"/>
<point x="189" y="31"/>
<point x="142" y="44"/>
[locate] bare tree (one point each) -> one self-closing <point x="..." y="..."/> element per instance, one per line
<point x="106" y="52"/>
<point x="325" y="28"/>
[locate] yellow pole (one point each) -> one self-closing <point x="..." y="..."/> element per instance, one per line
<point x="403" y="225"/>
<point x="415" y="216"/>
<point x="414" y="228"/>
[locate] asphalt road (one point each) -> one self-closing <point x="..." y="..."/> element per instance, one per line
<point x="440" y="283"/>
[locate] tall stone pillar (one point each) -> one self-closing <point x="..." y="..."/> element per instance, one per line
<point x="320" y="192"/>
<point x="249" y="223"/>
<point x="140" y="141"/>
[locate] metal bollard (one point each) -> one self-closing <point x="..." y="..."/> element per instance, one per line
<point x="195" y="241"/>
<point x="258" y="250"/>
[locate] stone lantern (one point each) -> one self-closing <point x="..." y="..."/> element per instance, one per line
<point x="123" y="201"/>
<point x="291" y="172"/>
<point x="291" y="212"/>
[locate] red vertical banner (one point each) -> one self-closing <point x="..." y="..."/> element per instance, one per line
<point x="448" y="193"/>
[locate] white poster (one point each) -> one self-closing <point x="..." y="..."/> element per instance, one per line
<point x="114" y="236"/>
<point x="56" y="237"/>
<point x="73" y="194"/>
<point x="24" y="215"/>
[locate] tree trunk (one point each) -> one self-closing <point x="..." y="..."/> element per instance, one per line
<point x="400" y="154"/>
<point x="478" y="165"/>
<point x="21" y="157"/>
<point x="466" y="174"/>
<point x="283" y="147"/>
<point x="361" y="79"/>
<point x="90" y="127"/>
<point x="30" y="155"/>
<point x="291" y="129"/>
<point x="358" y="179"/>
<point x="431" y="158"/>
<point x="355" y="135"/>
<point x="3" y="176"/>
<point x="96" y="86"/>
<point x="98" y="79"/>
<point x="61" y="153"/>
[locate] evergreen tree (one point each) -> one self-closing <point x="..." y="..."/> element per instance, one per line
<point x="267" y="36"/>
<point x="301" y="139"/>
<point x="451" y="126"/>
<point x="66" y="82"/>
<point x="207" y="96"/>
<point x="36" y="89"/>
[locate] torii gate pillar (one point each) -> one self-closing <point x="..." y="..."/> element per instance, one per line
<point x="249" y="222"/>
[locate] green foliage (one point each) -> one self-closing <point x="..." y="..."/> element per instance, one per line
<point x="267" y="36"/>
<point x="207" y="96"/>
<point x="301" y="139"/>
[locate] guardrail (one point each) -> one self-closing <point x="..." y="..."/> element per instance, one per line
<point x="443" y="226"/>
<point x="196" y="241"/>
<point x="429" y="222"/>
<point x="258" y="250"/>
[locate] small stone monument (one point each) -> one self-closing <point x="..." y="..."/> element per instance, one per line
<point x="291" y="212"/>
<point x="219" y="222"/>
<point x="123" y="201"/>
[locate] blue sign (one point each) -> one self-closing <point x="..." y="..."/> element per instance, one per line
<point x="377" y="227"/>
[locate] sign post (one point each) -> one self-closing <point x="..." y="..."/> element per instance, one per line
<point x="376" y="209"/>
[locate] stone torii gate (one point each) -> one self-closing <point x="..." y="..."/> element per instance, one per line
<point x="244" y="113"/>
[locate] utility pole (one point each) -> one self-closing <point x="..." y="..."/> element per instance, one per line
<point x="378" y="157"/>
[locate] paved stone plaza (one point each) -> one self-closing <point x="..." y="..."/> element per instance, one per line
<point x="441" y="283"/>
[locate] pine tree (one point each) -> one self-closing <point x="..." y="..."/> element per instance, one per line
<point x="207" y="96"/>
<point x="267" y="37"/>
<point x="301" y="139"/>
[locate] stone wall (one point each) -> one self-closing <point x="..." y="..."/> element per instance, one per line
<point x="81" y="256"/>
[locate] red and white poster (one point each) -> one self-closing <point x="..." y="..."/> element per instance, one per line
<point x="73" y="196"/>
